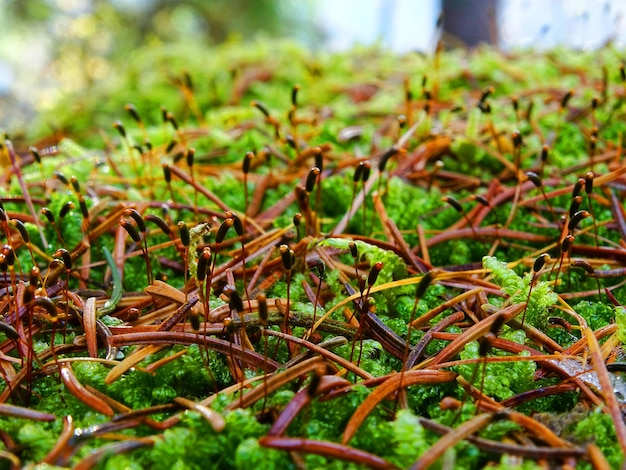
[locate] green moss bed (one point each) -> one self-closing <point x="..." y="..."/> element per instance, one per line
<point x="259" y="257"/>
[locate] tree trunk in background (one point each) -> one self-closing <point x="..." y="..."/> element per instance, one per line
<point x="471" y="21"/>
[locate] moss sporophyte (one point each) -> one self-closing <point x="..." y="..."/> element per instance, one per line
<point x="353" y="260"/>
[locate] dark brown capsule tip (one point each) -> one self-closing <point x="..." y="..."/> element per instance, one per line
<point x="581" y="263"/>
<point x="318" y="156"/>
<point x="318" y="265"/>
<point x="173" y="143"/>
<point x="9" y="254"/>
<point x="294" y="95"/>
<point x="65" y="209"/>
<point x="33" y="276"/>
<point x="384" y="158"/>
<point x="485" y="94"/>
<point x="292" y="142"/>
<point x="223" y="229"/>
<point x="362" y="282"/>
<point x="589" y="183"/>
<point x="130" y="229"/>
<point x="167" y="173"/>
<point x="83" y="207"/>
<point x="374" y="272"/>
<point x="311" y="178"/>
<point x="261" y="107"/>
<point x="297" y="218"/>
<point x="65" y="257"/>
<point x="75" y="184"/>
<point x="190" y="156"/>
<point x="119" y="127"/>
<point x="534" y="178"/>
<point x="578" y="187"/>
<point x="367" y="168"/>
<point x="453" y="202"/>
<point x="517" y="139"/>
<point x="183" y="231"/>
<point x="354" y="251"/>
<point x="172" y="119"/>
<point x="426" y="280"/>
<point x="19" y="225"/>
<point x="545" y="150"/>
<point x="540" y="262"/>
<point x="358" y="172"/>
<point x="234" y="299"/>
<point x="61" y="177"/>
<point x="285" y="256"/>
<point x="237" y="224"/>
<point x="484" y="345"/>
<point x="481" y="200"/>
<point x="566" y="98"/>
<point x="567" y="242"/>
<point x="262" y="306"/>
<point x="47" y="213"/>
<point x="247" y="162"/>
<point x="35" y="153"/>
<point x="575" y="205"/>
<point x="204" y="261"/>
<point x="132" y="110"/>
<point x="136" y="216"/>
<point x="575" y="220"/>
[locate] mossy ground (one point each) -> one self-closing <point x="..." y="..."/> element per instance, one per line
<point x="348" y="105"/>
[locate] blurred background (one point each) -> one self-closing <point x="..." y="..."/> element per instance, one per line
<point x="51" y="47"/>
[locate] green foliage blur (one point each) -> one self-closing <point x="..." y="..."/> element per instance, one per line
<point x="51" y="48"/>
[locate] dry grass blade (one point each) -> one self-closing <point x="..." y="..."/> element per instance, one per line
<point x="111" y="449"/>
<point x="473" y="333"/>
<point x="531" y="452"/>
<point x="328" y="449"/>
<point x="613" y="407"/>
<point x="59" y="453"/>
<point x="24" y="413"/>
<point x="275" y="382"/>
<point x="158" y="339"/>
<point x="452" y="438"/>
<point x="89" y="325"/>
<point x="215" y="419"/>
<point x="302" y="399"/>
<point x="81" y="393"/>
<point x="129" y="362"/>
<point x="329" y="355"/>
<point x="414" y="377"/>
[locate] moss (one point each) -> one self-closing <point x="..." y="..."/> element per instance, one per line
<point x="499" y="380"/>
<point x="541" y="297"/>
<point x="598" y="428"/>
